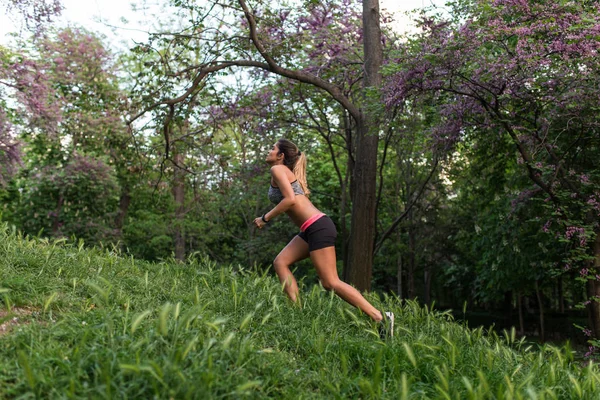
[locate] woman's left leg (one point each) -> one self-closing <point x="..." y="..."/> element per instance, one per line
<point x="325" y="264"/>
<point x="295" y="251"/>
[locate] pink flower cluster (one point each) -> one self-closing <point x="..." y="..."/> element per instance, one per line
<point x="575" y="231"/>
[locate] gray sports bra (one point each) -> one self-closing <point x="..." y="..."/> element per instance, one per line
<point x="275" y="194"/>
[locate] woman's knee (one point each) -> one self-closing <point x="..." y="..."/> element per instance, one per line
<point x="280" y="264"/>
<point x="330" y="284"/>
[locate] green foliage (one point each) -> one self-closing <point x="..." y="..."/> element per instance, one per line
<point x="146" y="233"/>
<point x="79" y="199"/>
<point x="73" y="168"/>
<point x="92" y="324"/>
<point x="497" y="219"/>
<point x="468" y="233"/>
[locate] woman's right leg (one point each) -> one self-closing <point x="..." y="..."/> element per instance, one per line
<point x="296" y="250"/>
<point x="325" y="263"/>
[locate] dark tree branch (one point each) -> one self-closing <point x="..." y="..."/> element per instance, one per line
<point x="167" y="129"/>
<point x="300" y="76"/>
<point x="388" y="138"/>
<point x="397" y="221"/>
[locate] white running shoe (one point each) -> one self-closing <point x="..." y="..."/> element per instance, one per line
<point x="386" y="326"/>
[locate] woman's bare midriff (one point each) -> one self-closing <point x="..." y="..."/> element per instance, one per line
<point x="302" y="210"/>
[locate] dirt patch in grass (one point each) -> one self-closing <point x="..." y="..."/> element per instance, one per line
<point x="13" y="318"/>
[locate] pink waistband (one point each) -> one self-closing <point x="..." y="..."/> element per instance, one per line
<point x="310" y="221"/>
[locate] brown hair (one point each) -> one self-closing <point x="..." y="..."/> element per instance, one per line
<point x="295" y="160"/>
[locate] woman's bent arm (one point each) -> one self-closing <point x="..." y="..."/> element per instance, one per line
<point x="280" y="208"/>
<point x="289" y="198"/>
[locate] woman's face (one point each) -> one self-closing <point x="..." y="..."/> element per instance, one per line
<point x="273" y="156"/>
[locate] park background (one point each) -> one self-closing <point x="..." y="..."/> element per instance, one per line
<point x="461" y="170"/>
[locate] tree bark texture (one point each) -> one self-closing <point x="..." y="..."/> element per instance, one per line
<point x="360" y="262"/>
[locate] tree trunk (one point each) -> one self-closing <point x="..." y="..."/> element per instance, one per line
<point x="362" y="235"/>
<point x="344" y="198"/>
<point x="410" y="289"/>
<point x="538" y="293"/>
<point x="344" y="229"/>
<point x="399" y="276"/>
<point x="520" y="307"/>
<point x="56" y="217"/>
<point x="124" y="202"/>
<point x="179" y="197"/>
<point x="427" y="281"/>
<point x="561" y="295"/>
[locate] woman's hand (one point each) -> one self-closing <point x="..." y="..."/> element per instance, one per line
<point x="259" y="222"/>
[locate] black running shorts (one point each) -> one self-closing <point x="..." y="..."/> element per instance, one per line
<point x="320" y="234"/>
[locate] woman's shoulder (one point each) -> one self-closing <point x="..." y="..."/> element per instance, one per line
<point x="282" y="173"/>
<point x="279" y="170"/>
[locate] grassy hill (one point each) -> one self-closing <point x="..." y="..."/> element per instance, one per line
<point x="80" y="323"/>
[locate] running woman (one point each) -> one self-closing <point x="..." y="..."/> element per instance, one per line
<point x="317" y="235"/>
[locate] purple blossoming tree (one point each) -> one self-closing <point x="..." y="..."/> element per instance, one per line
<point x="21" y="77"/>
<point x="528" y="70"/>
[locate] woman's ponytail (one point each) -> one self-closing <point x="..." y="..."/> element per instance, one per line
<point x="295" y="160"/>
<point x="300" y="172"/>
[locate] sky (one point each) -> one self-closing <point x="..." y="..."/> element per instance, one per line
<point x="106" y="16"/>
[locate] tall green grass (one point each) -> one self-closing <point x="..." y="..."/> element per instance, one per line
<point x="102" y="326"/>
